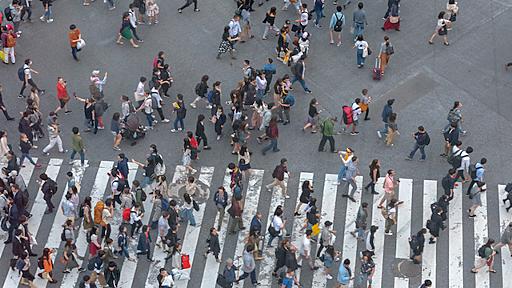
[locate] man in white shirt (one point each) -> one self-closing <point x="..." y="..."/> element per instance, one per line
<point x="305" y="250"/>
<point x="157" y="99"/>
<point x="133" y="21"/>
<point x="147" y="106"/>
<point x="139" y="94"/>
<point x="356" y="111"/>
<point x="234" y="28"/>
<point x="304" y="17"/>
<point x="463" y="170"/>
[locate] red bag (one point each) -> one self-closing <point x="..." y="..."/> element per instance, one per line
<point x="126" y="214"/>
<point x="185" y="261"/>
<point x="347" y="115"/>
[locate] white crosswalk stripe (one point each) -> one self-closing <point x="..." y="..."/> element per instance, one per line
<point x="330" y="198"/>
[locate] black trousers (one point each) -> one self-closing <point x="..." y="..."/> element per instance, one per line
<point x="202" y="137"/>
<point x="188" y="4"/>
<point x="48" y="199"/>
<point x="134" y="32"/>
<point x="31" y="83"/>
<point x="322" y="143"/>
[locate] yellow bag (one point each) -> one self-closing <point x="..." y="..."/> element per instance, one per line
<point x="2" y="55"/>
<point x="316" y="230"/>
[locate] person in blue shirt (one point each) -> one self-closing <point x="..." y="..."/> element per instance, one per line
<point x="269" y="69"/>
<point x="344" y="274"/>
<point x="386" y="112"/>
<point x="479" y="173"/>
<point x="289" y="279"/>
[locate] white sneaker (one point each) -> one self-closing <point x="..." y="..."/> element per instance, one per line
<point x="209" y="106"/>
<point x="328" y="276"/>
<point x="165" y="120"/>
<point x="194" y="171"/>
<point x="218" y="138"/>
<point x="85" y="165"/>
<point x="149" y="127"/>
<point x="180" y="129"/>
<point x="379" y="134"/>
<point x="71" y="162"/>
<point x="41" y="18"/>
<point x="287" y="196"/>
<point x="173" y="130"/>
<point x="389" y="233"/>
<point x="193" y="105"/>
<point x="49" y="20"/>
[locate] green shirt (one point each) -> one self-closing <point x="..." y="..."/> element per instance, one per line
<point x="327" y="128"/>
<point x="77" y="143"/>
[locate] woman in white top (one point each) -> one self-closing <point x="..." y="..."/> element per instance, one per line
<point x="362" y="50"/>
<point x="257" y="114"/>
<point x="441" y="29"/>
<point x="261" y="85"/>
<point x="177" y="269"/>
<point x="452" y="7"/>
<point x="3" y="147"/>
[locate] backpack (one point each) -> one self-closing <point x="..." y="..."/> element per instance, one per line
<point x="92" y="263"/>
<point x="473" y="170"/>
<point x="289" y="99"/>
<point x="390" y="50"/>
<point x="21" y="73"/>
<point x="237" y="192"/>
<point x="63" y="235"/>
<point x="481" y="251"/>
<point x="210" y="95"/>
<point x="88" y="236"/>
<point x="347" y="115"/>
<point x="198" y="89"/>
<point x="427" y="139"/>
<point x="339" y="23"/>
<point x="11" y="41"/>
<point x="165" y="204"/>
<point x="414" y="242"/>
<point x="8" y="13"/>
<point x="52" y="185"/>
<point x="456" y="159"/>
<point x="126" y="214"/>
<point x="252" y="72"/>
<point x="98" y="210"/>
<point x="20" y="263"/>
<point x="40" y="263"/>
<point x="452" y="116"/>
<point x="143" y="195"/>
<point x="81" y="211"/>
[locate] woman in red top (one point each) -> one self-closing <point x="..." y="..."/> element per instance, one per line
<point x="62" y="96"/>
<point x="193" y="144"/>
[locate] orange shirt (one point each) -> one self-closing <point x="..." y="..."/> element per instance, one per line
<point x="73" y="35"/>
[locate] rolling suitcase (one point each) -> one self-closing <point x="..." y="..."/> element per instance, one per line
<point x="377" y="72"/>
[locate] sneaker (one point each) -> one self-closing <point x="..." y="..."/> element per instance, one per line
<point x="49" y="20"/>
<point x="354" y="133"/>
<point x="339" y="44"/>
<point x="67" y="112"/>
<point x="180" y="129"/>
<point x="379" y="134"/>
<point x="218" y="138"/>
<point x="208" y="106"/>
<point x="116" y="148"/>
<point x="408" y="158"/>
<point x="166" y="121"/>
<point x="388" y="233"/>
<point x="21" y="96"/>
<point x="179" y="10"/>
<point x="287" y="196"/>
<point x="193" y="105"/>
<point x="173" y="130"/>
<point x="196" y="10"/>
<point x="328" y="276"/>
<point x="71" y="162"/>
<point x="41" y="18"/>
<point x="85" y="165"/>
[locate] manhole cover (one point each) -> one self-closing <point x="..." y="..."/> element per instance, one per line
<point x="407" y="269"/>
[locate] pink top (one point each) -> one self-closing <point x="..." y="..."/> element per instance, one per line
<point x="389" y="184"/>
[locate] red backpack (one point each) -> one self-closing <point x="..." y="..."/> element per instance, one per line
<point x="155" y="62"/>
<point x="347" y="115"/>
<point x="126" y="214"/>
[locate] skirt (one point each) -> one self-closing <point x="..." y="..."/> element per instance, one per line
<point x="388" y="25"/>
<point x="186" y="160"/>
<point x="127" y="33"/>
<point x="244" y="167"/>
<point x="224" y="47"/>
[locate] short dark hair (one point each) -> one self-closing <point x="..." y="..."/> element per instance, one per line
<point x="75" y="130"/>
<point x="483" y="160"/>
<point x="469" y="150"/>
<point x="421" y="128"/>
<point x="360" y="5"/>
<point x="339" y="8"/>
<point x="72" y="27"/>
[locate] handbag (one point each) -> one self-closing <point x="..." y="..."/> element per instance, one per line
<point x="222" y="282"/>
<point x="273" y="232"/>
<point x="443" y="30"/>
<point x="80" y="44"/>
<point x="394" y="19"/>
<point x="315" y="230"/>
<point x="453" y="17"/>
<point x="196" y="206"/>
<point x="185" y="261"/>
<point x="369" y="51"/>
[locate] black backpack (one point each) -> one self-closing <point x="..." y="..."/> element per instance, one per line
<point x="198" y="89"/>
<point x="63" y="235"/>
<point x="81" y="211"/>
<point x="472" y="170"/>
<point x="40" y="263"/>
<point x="427" y="139"/>
<point x="143" y="195"/>
<point x="481" y="251"/>
<point x="446" y="182"/>
<point x="339" y="23"/>
<point x="508" y="188"/>
<point x="455" y="159"/>
<point x="8" y="13"/>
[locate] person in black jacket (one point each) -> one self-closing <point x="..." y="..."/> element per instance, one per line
<point x="435" y="224"/>
<point x="87" y="281"/>
<point x="215" y="101"/>
<point x="417" y="243"/>
<point x="298" y="73"/>
<point x="200" y="132"/>
<point x="422" y="139"/>
<point x="112" y="275"/>
<point x="201" y="91"/>
<point x="25" y="146"/>
<point x="291" y="258"/>
<point x="17" y="244"/>
<point x="48" y="188"/>
<point x="281" y="256"/>
<point x="14" y="215"/>
<point x="213" y="244"/>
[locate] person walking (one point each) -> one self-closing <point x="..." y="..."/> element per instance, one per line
<point x="9" y="44"/>
<point x="358" y="21"/>
<point x="78" y="146"/>
<point x="362" y="50"/>
<point x="505" y="239"/>
<point x="213" y="244"/>
<point x="346" y="157"/>
<point x="48" y="188"/>
<point x="344" y="274"/>
<point x="3" y="107"/>
<point x="312" y="119"/>
<point x="451" y="138"/>
<point x="27" y="78"/>
<point x="327" y="238"/>
<point x="374" y="175"/>
<point x="47" y="260"/>
<point x="455" y="115"/>
<point x="249" y="266"/>
<point x="336" y="25"/>
<point x="144" y="243"/>
<point x="133" y="21"/>
<point x="48" y="15"/>
<point x="327" y="130"/>
<point x="201" y="91"/>
<point x="422" y="139"/>
<point x="441" y="29"/>
<point x="126" y="31"/>
<point x="187" y="3"/>
<point x="389" y="188"/>
<point x="62" y="96"/>
<point x="350" y="176"/>
<point x="112" y="275"/>
<point x="435" y="224"/>
<point x="25" y="146"/>
<point x="75" y="41"/>
<point x="386" y="113"/>
<point x="269" y="21"/>
<point x="278" y="175"/>
<point x="298" y="70"/>
<point x="475" y="196"/>
<point x="272" y="132"/>
<point x="319" y="11"/>
<point x="392" y="130"/>
<point x="392" y="21"/>
<point x="486" y="255"/>
<point x="366" y="271"/>
<point x="361" y="222"/>
<point x="417" y="244"/>
<point x="385" y="52"/>
<point x="476" y="172"/>
<point x="305" y="250"/>
<point x="389" y="214"/>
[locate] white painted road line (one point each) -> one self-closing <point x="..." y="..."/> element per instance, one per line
<point x="378" y="221"/>
<point x="403" y="225"/>
<point x="428" y="262"/>
<point x="481" y="233"/>
<point x="456" y="268"/>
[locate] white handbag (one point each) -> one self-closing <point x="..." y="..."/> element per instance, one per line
<point x="80" y="44"/>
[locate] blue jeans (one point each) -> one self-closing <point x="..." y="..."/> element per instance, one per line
<point x="319" y="11"/>
<point x="124" y="252"/>
<point x="188" y="214"/>
<point x="74" y="51"/>
<point x="260" y="94"/>
<point x="25" y="155"/>
<point x="48" y="14"/>
<point x="180" y="121"/>
<point x="150" y="119"/>
<point x="271" y="238"/>
<point x="385" y="130"/>
<point x="360" y="58"/>
<point x="146" y="181"/>
<point x="82" y="155"/>
<point x="272" y="145"/>
<point x="358" y="29"/>
<point x="422" y="151"/>
<point x="302" y="83"/>
<point x="252" y="274"/>
<point x="342" y="172"/>
<point x="360" y="232"/>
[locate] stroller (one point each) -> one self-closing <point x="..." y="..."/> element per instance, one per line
<point x="132" y="129"/>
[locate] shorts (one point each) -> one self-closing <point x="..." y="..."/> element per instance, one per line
<point x="355" y="122"/>
<point x="62" y="102"/>
<point x="460" y="174"/>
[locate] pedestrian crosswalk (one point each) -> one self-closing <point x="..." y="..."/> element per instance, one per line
<point x="341" y="211"/>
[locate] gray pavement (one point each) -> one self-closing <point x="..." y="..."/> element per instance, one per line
<point x="424" y="79"/>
